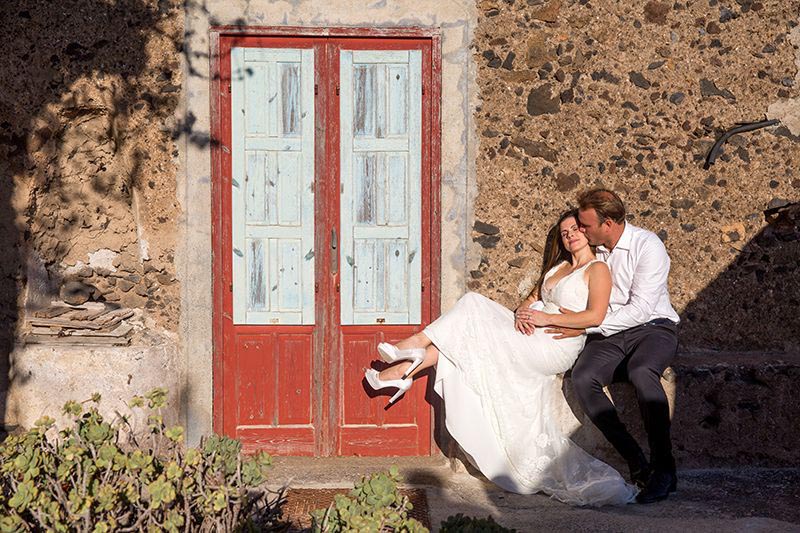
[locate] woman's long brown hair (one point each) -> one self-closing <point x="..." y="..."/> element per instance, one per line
<point x="554" y="251"/>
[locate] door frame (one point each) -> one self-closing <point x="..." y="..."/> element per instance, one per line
<point x="220" y="155"/>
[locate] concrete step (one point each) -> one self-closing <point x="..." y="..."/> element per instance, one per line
<point x="743" y="499"/>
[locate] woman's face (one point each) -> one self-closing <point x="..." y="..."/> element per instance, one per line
<point x="571" y="235"/>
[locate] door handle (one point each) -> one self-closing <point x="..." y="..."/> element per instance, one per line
<point x="334" y="253"/>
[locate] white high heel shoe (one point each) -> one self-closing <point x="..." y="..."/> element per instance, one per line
<point x="374" y="380"/>
<point x="391" y="354"/>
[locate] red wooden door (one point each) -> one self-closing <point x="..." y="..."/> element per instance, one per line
<point x="292" y="384"/>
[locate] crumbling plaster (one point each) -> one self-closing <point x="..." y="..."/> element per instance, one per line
<point x="118" y="373"/>
<point x="87" y="193"/>
<point x="787" y="110"/>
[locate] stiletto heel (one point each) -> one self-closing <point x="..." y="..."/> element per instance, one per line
<point x="374" y="380"/>
<point x="391" y="354"/>
<point x="397" y="395"/>
<point x="413" y="366"/>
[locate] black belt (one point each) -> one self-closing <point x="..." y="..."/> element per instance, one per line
<point x="660" y="322"/>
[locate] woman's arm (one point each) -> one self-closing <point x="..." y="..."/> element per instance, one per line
<point x="596" y="308"/>
<point x="532" y="297"/>
<point x="523" y="326"/>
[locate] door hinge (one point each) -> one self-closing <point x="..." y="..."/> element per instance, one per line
<point x="229" y="88"/>
<point x="337" y="89"/>
<point x="230" y="287"/>
<point x="316" y="89"/>
<point x="423" y="91"/>
<point x="380" y="320"/>
<point x="422" y="286"/>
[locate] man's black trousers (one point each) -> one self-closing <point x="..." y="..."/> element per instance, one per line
<point x="638" y="355"/>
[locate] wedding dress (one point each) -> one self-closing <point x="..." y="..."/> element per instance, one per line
<point x="500" y="390"/>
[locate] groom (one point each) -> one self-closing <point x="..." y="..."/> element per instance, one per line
<point x="638" y="340"/>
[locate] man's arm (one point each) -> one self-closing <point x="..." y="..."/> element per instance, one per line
<point x="649" y="280"/>
<point x="599" y="292"/>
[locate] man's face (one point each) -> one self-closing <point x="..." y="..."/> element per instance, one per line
<point x="589" y="223"/>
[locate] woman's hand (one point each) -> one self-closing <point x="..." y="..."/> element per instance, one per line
<point x="540" y="318"/>
<point x="521" y="323"/>
<point x="537" y="318"/>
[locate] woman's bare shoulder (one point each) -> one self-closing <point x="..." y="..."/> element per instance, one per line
<point x="598" y="270"/>
<point x="598" y="266"/>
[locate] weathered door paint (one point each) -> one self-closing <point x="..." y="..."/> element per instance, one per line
<point x="272" y="145"/>
<point x="380" y="138"/>
<point x="311" y="129"/>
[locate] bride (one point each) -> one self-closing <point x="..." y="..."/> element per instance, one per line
<point x="497" y="374"/>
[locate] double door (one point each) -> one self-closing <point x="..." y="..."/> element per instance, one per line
<point x="323" y="182"/>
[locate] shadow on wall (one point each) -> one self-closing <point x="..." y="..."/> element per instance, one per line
<point x="753" y="304"/>
<point x="78" y="77"/>
<point x="731" y="407"/>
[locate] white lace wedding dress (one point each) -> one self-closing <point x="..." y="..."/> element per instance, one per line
<point x="500" y="391"/>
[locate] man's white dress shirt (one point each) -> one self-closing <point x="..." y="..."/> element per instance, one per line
<point x="639" y="267"/>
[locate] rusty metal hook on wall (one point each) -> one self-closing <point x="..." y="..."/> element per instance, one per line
<point x="740" y="128"/>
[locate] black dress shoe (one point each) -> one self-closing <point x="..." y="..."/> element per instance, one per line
<point x="658" y="488"/>
<point x="640" y="471"/>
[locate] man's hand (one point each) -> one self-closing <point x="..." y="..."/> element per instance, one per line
<point x="564" y="333"/>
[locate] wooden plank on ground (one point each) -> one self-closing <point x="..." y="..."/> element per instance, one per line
<point x="74" y="340"/>
<point x="114" y="317"/>
<point x="65" y="323"/>
<point x="120" y="331"/>
<point x="90" y="314"/>
<point x="52" y="312"/>
<point x="38" y="330"/>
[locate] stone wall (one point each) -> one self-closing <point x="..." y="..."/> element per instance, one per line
<point x="631" y="96"/>
<point x="87" y="158"/>
<point x="737" y="409"/>
<point x="88" y="195"/>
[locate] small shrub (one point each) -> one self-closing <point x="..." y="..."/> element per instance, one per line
<point x="374" y="505"/>
<point x="85" y="479"/>
<point x="465" y="524"/>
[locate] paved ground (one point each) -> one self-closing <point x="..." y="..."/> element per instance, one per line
<point x="751" y="500"/>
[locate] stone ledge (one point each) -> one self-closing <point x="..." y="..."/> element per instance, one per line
<point x="42" y="378"/>
<point x="728" y="409"/>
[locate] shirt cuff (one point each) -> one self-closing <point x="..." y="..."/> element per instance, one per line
<point x="593" y="330"/>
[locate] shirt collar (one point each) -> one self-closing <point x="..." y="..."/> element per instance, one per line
<point x="624" y="241"/>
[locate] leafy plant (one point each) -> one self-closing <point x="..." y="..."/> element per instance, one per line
<point x="85" y="478"/>
<point x="466" y="524"/>
<point x="374" y="505"/>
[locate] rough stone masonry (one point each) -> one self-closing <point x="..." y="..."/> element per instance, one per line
<point x="632" y="96"/>
<point x="87" y="109"/>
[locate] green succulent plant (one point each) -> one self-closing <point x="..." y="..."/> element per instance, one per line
<point x="85" y="477"/>
<point x="374" y="505"/>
